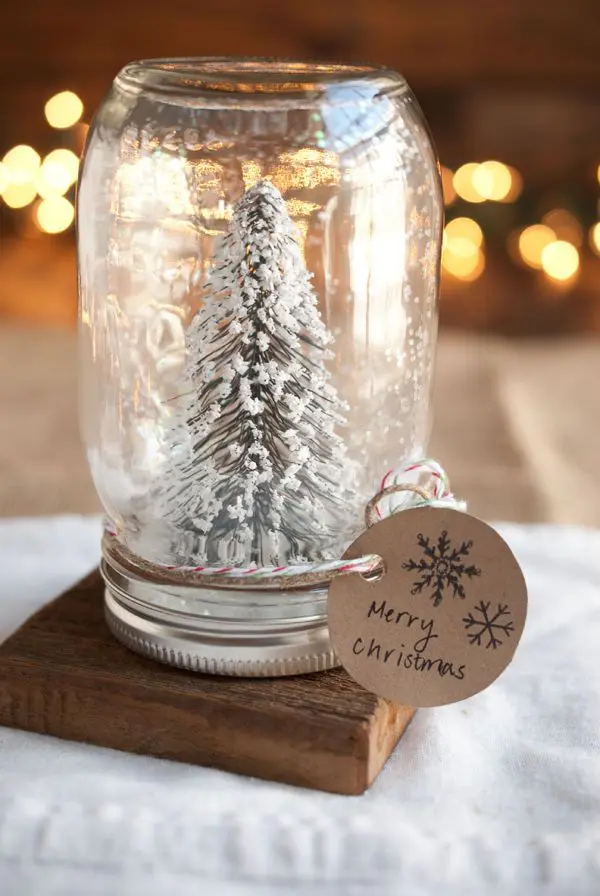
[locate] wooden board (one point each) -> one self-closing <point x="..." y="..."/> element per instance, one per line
<point x="63" y="674"/>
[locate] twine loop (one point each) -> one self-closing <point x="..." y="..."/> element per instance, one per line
<point x="399" y="490"/>
<point x="372" y="515"/>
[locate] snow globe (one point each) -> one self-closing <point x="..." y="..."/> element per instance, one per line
<point x="259" y="246"/>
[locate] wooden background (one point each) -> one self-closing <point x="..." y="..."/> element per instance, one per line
<point x="516" y="80"/>
<point x="446" y="49"/>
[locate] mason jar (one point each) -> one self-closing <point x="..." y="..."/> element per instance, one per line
<point x="259" y="246"/>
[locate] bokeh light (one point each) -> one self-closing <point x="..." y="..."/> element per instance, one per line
<point x="483" y="179"/>
<point x="595" y="238"/>
<point x="461" y="246"/>
<point x="516" y="187"/>
<point x="54" y="215"/>
<point x="447" y="185"/>
<point x="58" y="172"/>
<point x="463" y="228"/>
<point x="252" y="173"/>
<point x="4" y="178"/>
<point x="468" y="265"/>
<point x="63" y="110"/>
<point x="462" y="253"/>
<point x="21" y="163"/>
<point x="53" y="179"/>
<point x="565" y="225"/>
<point x="487" y="181"/>
<point x="560" y="260"/>
<point x="52" y="186"/>
<point x="19" y="195"/>
<point x="463" y="183"/>
<point x="532" y="242"/>
<point x="496" y="181"/>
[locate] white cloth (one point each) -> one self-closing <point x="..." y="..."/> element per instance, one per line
<point x="496" y="795"/>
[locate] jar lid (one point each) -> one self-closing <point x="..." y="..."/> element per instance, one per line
<point x="219" y="632"/>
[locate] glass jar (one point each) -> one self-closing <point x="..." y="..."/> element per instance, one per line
<point x="259" y="246"/>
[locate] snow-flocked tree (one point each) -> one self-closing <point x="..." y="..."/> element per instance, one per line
<point x="261" y="475"/>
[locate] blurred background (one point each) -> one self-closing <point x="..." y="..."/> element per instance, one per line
<point x="510" y="89"/>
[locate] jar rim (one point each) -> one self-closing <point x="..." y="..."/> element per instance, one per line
<point x="251" y="76"/>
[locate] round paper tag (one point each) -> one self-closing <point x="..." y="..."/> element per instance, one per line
<point x="444" y="619"/>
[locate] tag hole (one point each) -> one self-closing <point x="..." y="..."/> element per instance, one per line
<point x="376" y="575"/>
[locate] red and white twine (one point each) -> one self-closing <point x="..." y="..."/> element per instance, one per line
<point x="419" y="483"/>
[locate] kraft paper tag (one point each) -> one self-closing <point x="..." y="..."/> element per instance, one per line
<point x="444" y="619"/>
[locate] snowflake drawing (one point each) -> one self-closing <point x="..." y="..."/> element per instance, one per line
<point x="483" y="623"/>
<point x="442" y="567"/>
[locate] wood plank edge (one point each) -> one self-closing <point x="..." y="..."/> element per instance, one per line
<point x="50" y="707"/>
<point x="389" y="724"/>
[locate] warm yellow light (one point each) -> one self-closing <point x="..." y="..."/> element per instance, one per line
<point x="560" y="260"/>
<point x="21" y="162"/>
<point x="516" y="186"/>
<point x="4" y="178"/>
<point x="462" y="256"/>
<point x="309" y="156"/>
<point x="565" y="226"/>
<point x="447" y="185"/>
<point x="491" y="180"/>
<point x="54" y="215"/>
<point x="598" y="174"/>
<point x="51" y="181"/>
<point x="532" y="242"/>
<point x="63" y="110"/>
<point x="595" y="238"/>
<point x="461" y="246"/>
<point x="54" y="178"/>
<point x="463" y="228"/>
<point x="483" y="180"/>
<point x="306" y="168"/>
<point x="302" y="226"/>
<point x="463" y="183"/>
<point x="494" y="180"/>
<point x="467" y="265"/>
<point x="18" y="195"/>
<point x="252" y="173"/>
<point x="59" y="171"/>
